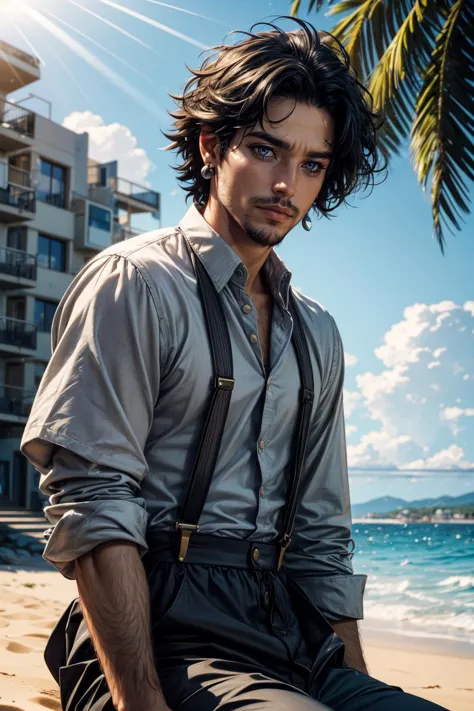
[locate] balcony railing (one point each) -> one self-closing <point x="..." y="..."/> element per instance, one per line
<point x="17" y="118"/>
<point x="19" y="177"/>
<point x="17" y="263"/>
<point x="14" y="332"/>
<point x="137" y="192"/>
<point x="15" y="400"/>
<point x="122" y="233"/>
<point x="18" y="197"/>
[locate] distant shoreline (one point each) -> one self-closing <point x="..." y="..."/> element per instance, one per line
<point x="402" y="521"/>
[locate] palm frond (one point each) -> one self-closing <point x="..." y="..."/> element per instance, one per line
<point x="313" y="4"/>
<point x="395" y="81"/>
<point x="443" y="130"/>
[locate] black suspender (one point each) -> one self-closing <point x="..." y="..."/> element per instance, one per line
<point x="211" y="437"/>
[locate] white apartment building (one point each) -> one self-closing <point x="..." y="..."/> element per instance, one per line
<point x="58" y="208"/>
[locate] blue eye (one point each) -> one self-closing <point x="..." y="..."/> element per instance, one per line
<point x="318" y="167"/>
<point x="259" y="150"/>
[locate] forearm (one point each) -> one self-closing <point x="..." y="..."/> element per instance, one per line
<point x="115" y="601"/>
<point x="349" y="633"/>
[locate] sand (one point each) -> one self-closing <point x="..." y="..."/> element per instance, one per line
<point x="31" y="602"/>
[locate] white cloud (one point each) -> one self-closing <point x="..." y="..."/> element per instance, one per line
<point x="351" y="401"/>
<point x="454" y="413"/>
<point x="112" y="141"/>
<point x="350" y="429"/>
<point x="402" y="399"/>
<point x="350" y="359"/>
<point x="450" y="458"/>
<point x="379" y="449"/>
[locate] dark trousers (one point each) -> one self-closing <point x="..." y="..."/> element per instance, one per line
<point x="228" y="637"/>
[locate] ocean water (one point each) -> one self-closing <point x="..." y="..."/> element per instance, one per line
<point x="420" y="578"/>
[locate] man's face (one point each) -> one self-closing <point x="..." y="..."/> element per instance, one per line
<point x="269" y="178"/>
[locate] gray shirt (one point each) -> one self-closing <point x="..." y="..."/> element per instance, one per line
<point x="118" y="415"/>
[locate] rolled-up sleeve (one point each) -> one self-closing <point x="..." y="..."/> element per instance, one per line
<point x="88" y="427"/>
<point x="320" y="555"/>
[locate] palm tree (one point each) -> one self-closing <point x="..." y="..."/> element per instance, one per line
<point x="417" y="59"/>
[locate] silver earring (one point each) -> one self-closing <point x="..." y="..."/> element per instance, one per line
<point x="307" y="223"/>
<point x="207" y="171"/>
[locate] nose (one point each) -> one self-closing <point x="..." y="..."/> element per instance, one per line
<point x="285" y="183"/>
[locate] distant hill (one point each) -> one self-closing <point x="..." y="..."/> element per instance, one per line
<point x="384" y="504"/>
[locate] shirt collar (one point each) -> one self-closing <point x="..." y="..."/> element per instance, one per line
<point x="220" y="260"/>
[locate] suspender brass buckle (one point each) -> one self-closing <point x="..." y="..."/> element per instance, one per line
<point x="285" y="542"/>
<point x="225" y="383"/>
<point x="186" y="530"/>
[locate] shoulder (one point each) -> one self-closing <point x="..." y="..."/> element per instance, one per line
<point x="323" y="335"/>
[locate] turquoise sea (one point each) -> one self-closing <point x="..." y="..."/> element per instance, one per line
<point x="420" y="578"/>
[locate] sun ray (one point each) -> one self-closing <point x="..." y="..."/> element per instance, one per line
<point x="188" y="12"/>
<point x="154" y="23"/>
<point x="30" y="45"/>
<point x="71" y="75"/>
<point x="94" y="61"/>
<point x="112" y="24"/>
<point x="98" y="44"/>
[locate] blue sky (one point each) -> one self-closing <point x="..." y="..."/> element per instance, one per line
<point x="405" y="312"/>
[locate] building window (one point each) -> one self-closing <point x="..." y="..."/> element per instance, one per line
<point x="39" y="372"/>
<point x="51" y="253"/>
<point x="44" y="312"/>
<point x="99" y="218"/>
<point x="16" y="238"/>
<point x="52" y="186"/>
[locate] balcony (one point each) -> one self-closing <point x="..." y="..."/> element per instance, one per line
<point x="17" y="204"/>
<point x="17" y="269"/>
<point x="17" y="126"/>
<point x="17" y="68"/>
<point x="122" y="232"/>
<point x="15" y="403"/>
<point x="18" y="177"/>
<point x="134" y="198"/>
<point x="17" y="337"/>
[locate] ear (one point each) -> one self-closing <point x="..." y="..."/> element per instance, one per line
<point x="209" y="146"/>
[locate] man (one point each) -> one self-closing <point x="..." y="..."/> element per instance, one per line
<point x="189" y="427"/>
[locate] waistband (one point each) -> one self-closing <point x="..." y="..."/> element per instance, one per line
<point x="164" y="546"/>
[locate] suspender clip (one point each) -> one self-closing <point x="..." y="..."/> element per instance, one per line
<point x="285" y="542"/>
<point x="186" y="530"/>
<point x="225" y="383"/>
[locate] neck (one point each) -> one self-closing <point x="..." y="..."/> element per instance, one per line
<point x="252" y="255"/>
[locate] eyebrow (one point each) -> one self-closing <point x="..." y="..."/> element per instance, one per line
<point x="279" y="143"/>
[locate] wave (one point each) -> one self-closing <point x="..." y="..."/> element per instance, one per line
<point x="462" y="621"/>
<point x="388" y="587"/>
<point x="458" y="582"/>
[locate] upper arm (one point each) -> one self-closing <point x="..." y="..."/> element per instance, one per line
<point x="98" y="392"/>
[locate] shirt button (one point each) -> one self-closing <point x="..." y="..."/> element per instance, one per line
<point x="253" y="338"/>
<point x="256" y="554"/>
<point x="261" y="444"/>
<point x="246" y="308"/>
<point x="266" y="598"/>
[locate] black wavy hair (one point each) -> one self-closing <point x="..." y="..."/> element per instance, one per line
<point x="234" y="85"/>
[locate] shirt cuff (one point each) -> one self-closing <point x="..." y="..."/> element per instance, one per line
<point x="87" y="524"/>
<point x="338" y="597"/>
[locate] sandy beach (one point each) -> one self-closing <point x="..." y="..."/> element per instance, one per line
<point x="31" y="602"/>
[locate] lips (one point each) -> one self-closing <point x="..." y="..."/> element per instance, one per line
<point x="275" y="213"/>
